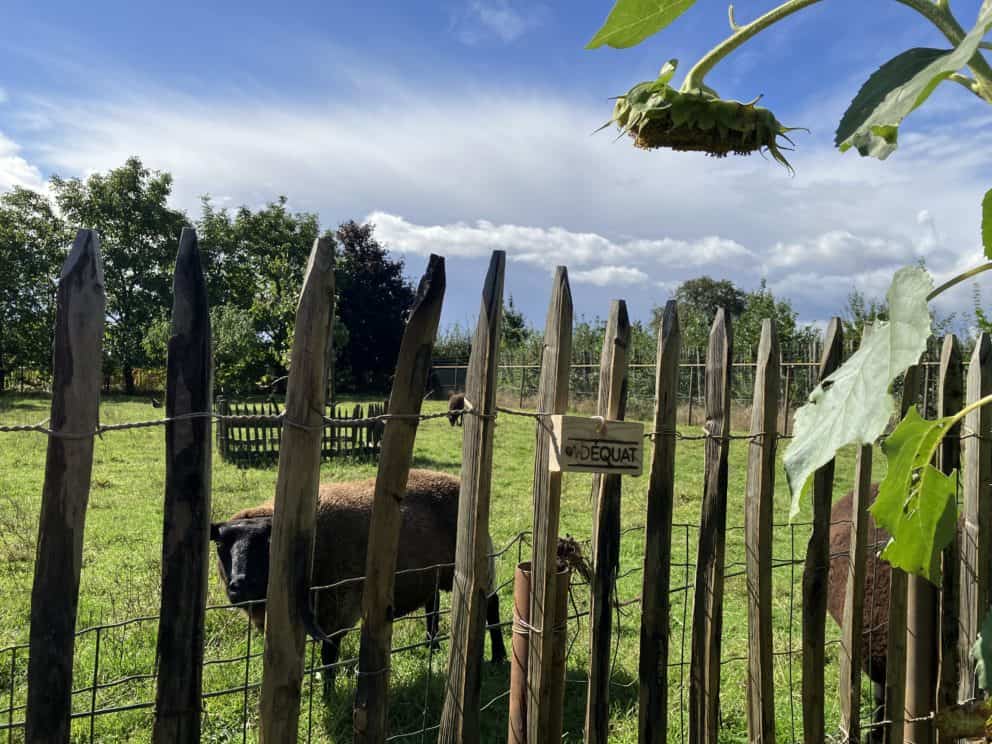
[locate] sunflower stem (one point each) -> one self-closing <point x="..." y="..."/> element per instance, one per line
<point x="974" y="271"/>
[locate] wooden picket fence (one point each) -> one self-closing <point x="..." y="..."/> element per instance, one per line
<point x="250" y="434"/>
<point x="930" y="629"/>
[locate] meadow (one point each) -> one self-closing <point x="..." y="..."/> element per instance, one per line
<point x="121" y="569"/>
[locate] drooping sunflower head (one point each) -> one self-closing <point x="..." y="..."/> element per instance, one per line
<point x="657" y="115"/>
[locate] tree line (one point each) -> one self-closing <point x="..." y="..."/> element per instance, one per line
<point x="253" y="263"/>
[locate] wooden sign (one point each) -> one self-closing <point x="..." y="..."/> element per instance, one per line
<point x="593" y="445"/>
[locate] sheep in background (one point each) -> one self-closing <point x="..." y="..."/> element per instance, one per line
<point x="456" y="408"/>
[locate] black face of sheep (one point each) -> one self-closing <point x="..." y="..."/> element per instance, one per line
<point x="243" y="551"/>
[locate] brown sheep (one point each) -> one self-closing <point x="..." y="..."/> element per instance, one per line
<point x="427" y="538"/>
<point x="878" y="573"/>
<point x="456" y="408"/>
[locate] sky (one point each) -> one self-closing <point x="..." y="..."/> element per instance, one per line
<point x="463" y="126"/>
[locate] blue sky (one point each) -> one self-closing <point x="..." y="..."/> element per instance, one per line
<point x="464" y="126"/>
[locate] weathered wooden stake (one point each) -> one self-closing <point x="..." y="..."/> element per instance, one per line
<point x="412" y="369"/>
<point x="186" y="530"/>
<point x="292" y="541"/>
<point x="655" y="602"/>
<point x="758" y="537"/>
<point x="817" y="568"/>
<point x="606" y="489"/>
<point x="519" y="651"/>
<point x="895" y="660"/>
<point x="552" y="398"/>
<point x="77" y="363"/>
<point x="950" y="400"/>
<point x="707" y="614"/>
<point x="976" y="548"/>
<point x="460" y="717"/>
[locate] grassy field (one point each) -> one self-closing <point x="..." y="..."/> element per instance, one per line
<point x="121" y="565"/>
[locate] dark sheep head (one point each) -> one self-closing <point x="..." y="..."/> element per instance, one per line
<point x="456" y="406"/>
<point x="243" y="550"/>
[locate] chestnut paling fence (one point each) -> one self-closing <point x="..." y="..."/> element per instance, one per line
<point x="672" y="598"/>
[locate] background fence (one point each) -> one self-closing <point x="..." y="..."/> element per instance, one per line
<point x="659" y="590"/>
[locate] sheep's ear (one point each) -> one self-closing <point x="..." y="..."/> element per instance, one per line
<point x="215" y="531"/>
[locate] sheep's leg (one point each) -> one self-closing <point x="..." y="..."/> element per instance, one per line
<point x="433" y="618"/>
<point x="330" y="652"/>
<point x="495" y="632"/>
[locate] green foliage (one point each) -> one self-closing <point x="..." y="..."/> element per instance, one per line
<point x="853" y="404"/>
<point x="632" y="21"/>
<point x="254" y="263"/>
<point x="373" y="299"/>
<point x="987" y="223"/>
<point x="915" y="501"/>
<point x="33" y="241"/>
<point x="860" y="311"/>
<point x="514" y="331"/>
<point x="139" y="236"/>
<point x="871" y="123"/>
<point x="981" y="653"/>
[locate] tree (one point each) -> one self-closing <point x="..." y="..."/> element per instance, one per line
<point x="699" y="300"/>
<point x="139" y="235"/>
<point x="514" y="330"/>
<point x="254" y="263"/>
<point x="373" y="299"/>
<point x="33" y="240"/>
<point x="759" y="305"/>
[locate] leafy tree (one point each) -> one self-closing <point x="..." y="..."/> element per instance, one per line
<point x="254" y="263"/>
<point x="373" y="300"/>
<point x="699" y="300"/>
<point x="761" y="304"/>
<point x="139" y="235"/>
<point x="32" y="246"/>
<point x="515" y="331"/>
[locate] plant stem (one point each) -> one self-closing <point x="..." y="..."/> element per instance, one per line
<point x="974" y="271"/>
<point x="938" y="14"/>
<point x="694" y="79"/>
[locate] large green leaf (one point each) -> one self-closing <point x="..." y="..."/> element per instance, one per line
<point x="632" y="21"/>
<point x="871" y="122"/>
<point x="915" y="501"/>
<point x="987" y="223"/>
<point x="853" y="405"/>
<point x="981" y="652"/>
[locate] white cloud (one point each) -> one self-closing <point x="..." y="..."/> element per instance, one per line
<point x="603" y="276"/>
<point x="483" y="19"/>
<point x="462" y="172"/>
<point x="14" y="169"/>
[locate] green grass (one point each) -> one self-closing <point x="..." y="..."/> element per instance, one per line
<point x="121" y="565"/>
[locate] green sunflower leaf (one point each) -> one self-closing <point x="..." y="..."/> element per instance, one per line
<point x="853" y="405"/>
<point x="632" y="21"/>
<point x="987" y="223"/>
<point x="871" y="122"/>
<point x="915" y="501"/>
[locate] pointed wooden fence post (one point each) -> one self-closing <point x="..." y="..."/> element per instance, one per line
<point x="852" y="625"/>
<point x="817" y="569"/>
<point x="950" y="400"/>
<point x="895" y="661"/>
<point x="186" y="530"/>
<point x="77" y="363"/>
<point x="460" y="717"/>
<point x="292" y="541"/>
<point x="758" y="537"/>
<point x="655" y="602"/>
<point x="606" y="489"/>
<point x="413" y="366"/>
<point x="707" y="612"/>
<point x="552" y="397"/>
<point x="976" y="548"/>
